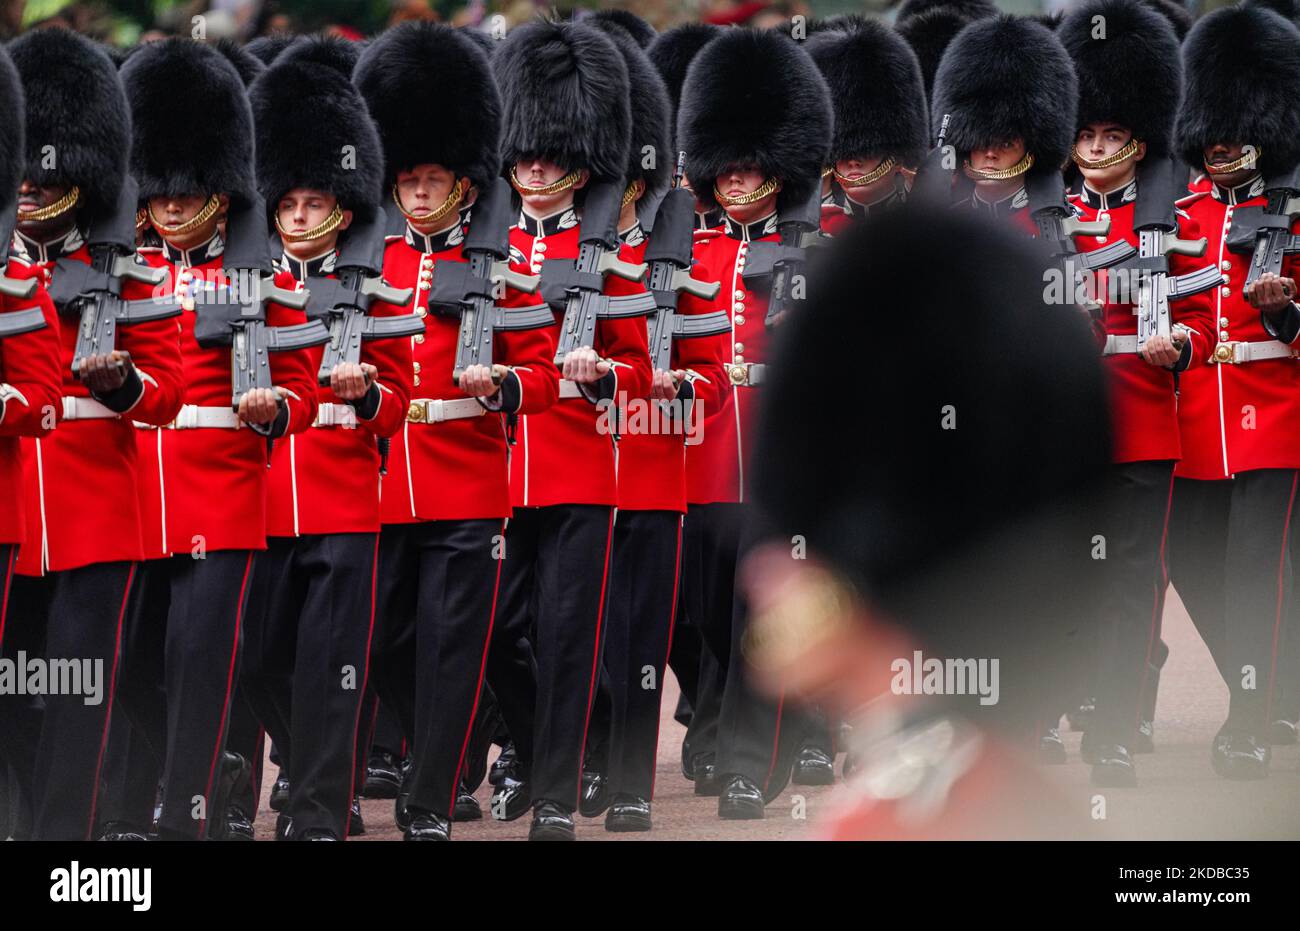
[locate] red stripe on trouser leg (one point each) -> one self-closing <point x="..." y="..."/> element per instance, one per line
<point x="1157" y="604"/>
<point x="595" y="653"/>
<point x="663" y="670"/>
<point x="108" y="715"/>
<point x="361" y="693"/>
<point x="1277" y="622"/>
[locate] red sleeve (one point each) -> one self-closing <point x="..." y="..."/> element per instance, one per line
<point x="393" y="359"/>
<point x="530" y="354"/>
<point x="625" y="341"/>
<point x="294" y="371"/>
<point x="155" y="349"/>
<point x="30" y="365"/>
<point x="1195" y="312"/>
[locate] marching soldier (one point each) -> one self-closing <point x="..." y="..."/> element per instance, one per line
<point x="1235" y="486"/>
<point x="565" y="144"/>
<point x="83" y="519"/>
<point x="645" y="565"/>
<point x="447" y="495"/>
<point x="1129" y="82"/>
<point x="215" y="453"/>
<point x="312" y="606"/>
<point x="751" y="169"/>
<point x="31" y="377"/>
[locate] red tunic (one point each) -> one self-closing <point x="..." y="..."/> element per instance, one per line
<point x="1143" y="405"/>
<point x="30" y="378"/>
<point x="79" y="481"/>
<point x="566" y="455"/>
<point x="652" y="458"/>
<point x="458" y="469"/>
<point x="326" y="479"/>
<point x="211" y="482"/>
<point x="1235" y="418"/>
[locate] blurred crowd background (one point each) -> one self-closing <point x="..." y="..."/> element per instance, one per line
<point x="126" y="22"/>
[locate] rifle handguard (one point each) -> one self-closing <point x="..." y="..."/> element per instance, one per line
<point x="295" y="300"/>
<point x="611" y="264"/>
<point x="381" y="290"/>
<point x="683" y="282"/>
<point x="124" y="266"/>
<point x="528" y="284"/>
<point x="1171" y="244"/>
<point x="22" y="288"/>
<point x="1073" y="226"/>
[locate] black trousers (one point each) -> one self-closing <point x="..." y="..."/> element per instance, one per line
<point x="1135" y="523"/>
<point x="306" y="659"/>
<point x="79" y="614"/>
<point x="1230" y="560"/>
<point x="643" y="579"/>
<point x="553" y="590"/>
<point x="438" y="583"/>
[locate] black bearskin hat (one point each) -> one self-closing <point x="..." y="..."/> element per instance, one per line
<point x="964" y="538"/>
<point x="481" y="37"/>
<point x="567" y="98"/>
<point x="314" y="131"/>
<point x="1131" y="75"/>
<point x="971" y="9"/>
<point x="212" y="153"/>
<point x="651" y="111"/>
<point x="415" y="61"/>
<point x="13" y="154"/>
<point x="1242" y="72"/>
<point x="247" y="64"/>
<point x="672" y="53"/>
<point x="876" y="93"/>
<point x="330" y="51"/>
<point x="641" y="32"/>
<point x="267" y="48"/>
<point x="1005" y="77"/>
<point x="78" y="128"/>
<point x="755" y="97"/>
<point x="929" y="34"/>
<point x="1180" y="18"/>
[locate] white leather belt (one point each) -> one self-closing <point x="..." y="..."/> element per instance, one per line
<point x="429" y="410"/>
<point x="746" y="374"/>
<point x="1115" y="345"/>
<point x="335" y="415"/>
<point x="1242" y="352"/>
<point x="569" y="389"/>
<point x="85" y="409"/>
<point x="193" y="417"/>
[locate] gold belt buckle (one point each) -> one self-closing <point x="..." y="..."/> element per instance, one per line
<point x="416" y="413"/>
<point x="1225" y="353"/>
<point x="738" y="373"/>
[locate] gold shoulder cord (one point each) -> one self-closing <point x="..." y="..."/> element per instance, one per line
<point x="180" y="229"/>
<point x="870" y="177"/>
<point x="324" y="228"/>
<point x="764" y="189"/>
<point x="447" y="206"/>
<point x="1122" y="155"/>
<point x="62" y="205"/>
<point x="999" y="174"/>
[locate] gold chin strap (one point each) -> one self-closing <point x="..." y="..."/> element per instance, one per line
<point x="763" y="190"/>
<point x="827" y="171"/>
<point x="999" y="174"/>
<point x="870" y="177"/>
<point x="634" y="190"/>
<point x="447" y="206"/>
<point x="208" y="211"/>
<point x="1122" y="155"/>
<point x="62" y="205"/>
<point x="324" y="228"/>
<point x="563" y="184"/>
<point x="1246" y="161"/>
<point x="141" y="219"/>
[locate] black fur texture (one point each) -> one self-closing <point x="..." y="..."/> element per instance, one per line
<point x="1132" y="75"/>
<point x="314" y="131"/>
<point x="971" y="9"/>
<point x="652" y="141"/>
<point x="929" y="34"/>
<point x="330" y="51"/>
<point x="641" y="32"/>
<point x="1180" y="18"/>
<point x="567" y="98"/>
<point x="876" y="92"/>
<point x="1242" y="71"/>
<point x="1287" y="9"/>
<point x="75" y="104"/>
<point x="421" y="61"/>
<point x="210" y="151"/>
<point x="268" y="48"/>
<point x="247" y="64"/>
<point x="673" y="51"/>
<point x="13" y="154"/>
<point x="481" y="37"/>
<point x="1003" y="78"/>
<point x="755" y="98"/>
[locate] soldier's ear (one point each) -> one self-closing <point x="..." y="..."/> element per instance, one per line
<point x="1141" y="152"/>
<point x="223" y="205"/>
<point x="471" y="192"/>
<point x="347" y="220"/>
<point x="583" y="177"/>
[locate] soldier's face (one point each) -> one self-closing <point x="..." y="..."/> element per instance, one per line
<point x="853" y="168"/>
<point x="33" y="197"/>
<point x="538" y="173"/>
<point x="424" y="189"/>
<point x="739" y="180"/>
<point x="168" y="213"/>
<point x="997" y="156"/>
<point x="1224" y="153"/>
<point x="1098" y="141"/>
<point x="303" y="209"/>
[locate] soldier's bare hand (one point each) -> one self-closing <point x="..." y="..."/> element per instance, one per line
<point x="482" y="381"/>
<point x="105" y="372"/>
<point x="351" y="380"/>
<point x="1270" y="293"/>
<point x="1163" y="351"/>
<point x="584" y="366"/>
<point x="259" y="406"/>
<point x="666" y="384"/>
